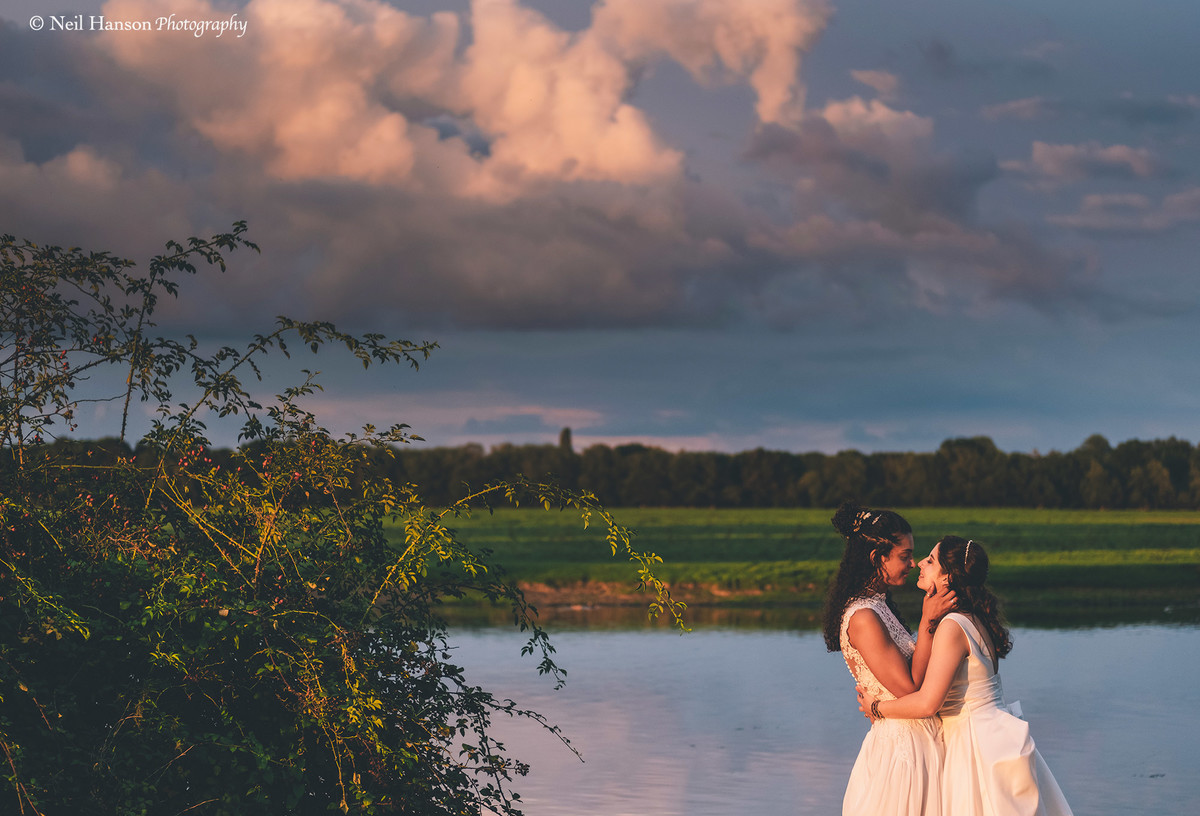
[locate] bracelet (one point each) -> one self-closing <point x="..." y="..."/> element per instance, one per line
<point x="875" y="710"/>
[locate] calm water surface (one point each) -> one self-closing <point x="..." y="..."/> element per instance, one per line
<point x="743" y="721"/>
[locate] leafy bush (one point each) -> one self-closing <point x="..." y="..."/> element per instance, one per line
<point x="179" y="635"/>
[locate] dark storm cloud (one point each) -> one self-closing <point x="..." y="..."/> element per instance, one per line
<point x="45" y="95"/>
<point x="561" y="260"/>
<point x="562" y="255"/>
<point x="443" y="196"/>
<point x="815" y="143"/>
<point x="42" y="128"/>
<point x="913" y="238"/>
<point x="879" y="180"/>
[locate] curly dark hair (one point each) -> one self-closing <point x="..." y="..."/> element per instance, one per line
<point x="870" y="536"/>
<point x="967" y="568"/>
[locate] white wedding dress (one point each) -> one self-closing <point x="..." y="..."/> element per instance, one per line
<point x="899" y="767"/>
<point x="991" y="766"/>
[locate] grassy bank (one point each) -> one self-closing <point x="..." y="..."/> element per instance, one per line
<point x="1042" y="560"/>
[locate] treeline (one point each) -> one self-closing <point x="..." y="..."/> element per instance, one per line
<point x="963" y="472"/>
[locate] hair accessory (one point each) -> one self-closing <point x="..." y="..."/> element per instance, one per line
<point x="968" y="551"/>
<point x="863" y="517"/>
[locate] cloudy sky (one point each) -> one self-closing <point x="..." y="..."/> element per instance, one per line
<point x="699" y="224"/>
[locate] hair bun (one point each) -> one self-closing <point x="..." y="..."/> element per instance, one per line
<point x="849" y="518"/>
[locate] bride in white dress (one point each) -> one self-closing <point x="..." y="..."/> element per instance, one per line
<point x="899" y="767"/>
<point x="991" y="766"/>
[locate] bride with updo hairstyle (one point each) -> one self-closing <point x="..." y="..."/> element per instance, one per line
<point x="899" y="766"/>
<point x="870" y="536"/>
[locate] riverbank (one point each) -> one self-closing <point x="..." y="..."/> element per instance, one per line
<point x="1056" y="566"/>
<point x="616" y="604"/>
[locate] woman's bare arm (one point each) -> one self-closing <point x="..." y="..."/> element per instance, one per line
<point x="933" y="608"/>
<point x="883" y="657"/>
<point x="949" y="649"/>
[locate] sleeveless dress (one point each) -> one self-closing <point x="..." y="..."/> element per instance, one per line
<point x="992" y="767"/>
<point x="898" y="771"/>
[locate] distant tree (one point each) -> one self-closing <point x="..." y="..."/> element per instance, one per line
<point x="844" y="474"/>
<point x="766" y="477"/>
<point x="696" y="478"/>
<point x="249" y="633"/>
<point x="1035" y="487"/>
<point x="907" y="481"/>
<point x="962" y="472"/>
<point x="1150" y="487"/>
<point x="1099" y="489"/>
<point x="1096" y="447"/>
<point x="973" y="472"/>
<point x="599" y="472"/>
<point x="1175" y="456"/>
<point x="644" y="471"/>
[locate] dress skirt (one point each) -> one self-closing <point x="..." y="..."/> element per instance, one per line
<point x="898" y="771"/>
<point x="993" y="767"/>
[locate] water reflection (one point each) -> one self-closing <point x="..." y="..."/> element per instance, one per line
<point x="609" y="618"/>
<point x="763" y="721"/>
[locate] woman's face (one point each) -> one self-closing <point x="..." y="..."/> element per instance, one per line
<point x="899" y="561"/>
<point x="932" y="577"/>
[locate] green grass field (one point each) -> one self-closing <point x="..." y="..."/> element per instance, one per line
<point x="1041" y="559"/>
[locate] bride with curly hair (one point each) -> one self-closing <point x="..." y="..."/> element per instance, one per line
<point x="991" y="766"/>
<point x="899" y="767"/>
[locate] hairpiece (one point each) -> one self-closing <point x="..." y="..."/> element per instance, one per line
<point x="968" y="550"/>
<point x="863" y="517"/>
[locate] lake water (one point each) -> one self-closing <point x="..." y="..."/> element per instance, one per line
<point x="733" y="721"/>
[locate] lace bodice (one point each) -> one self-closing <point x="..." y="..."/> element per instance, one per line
<point x="854" y="661"/>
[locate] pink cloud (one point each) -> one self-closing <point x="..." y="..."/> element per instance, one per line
<point x="1133" y="214"/>
<point x="1075" y="162"/>
<point x="885" y="83"/>
<point x="320" y="89"/>
<point x="760" y="41"/>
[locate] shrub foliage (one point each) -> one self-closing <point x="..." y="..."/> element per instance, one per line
<point x="181" y="635"/>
